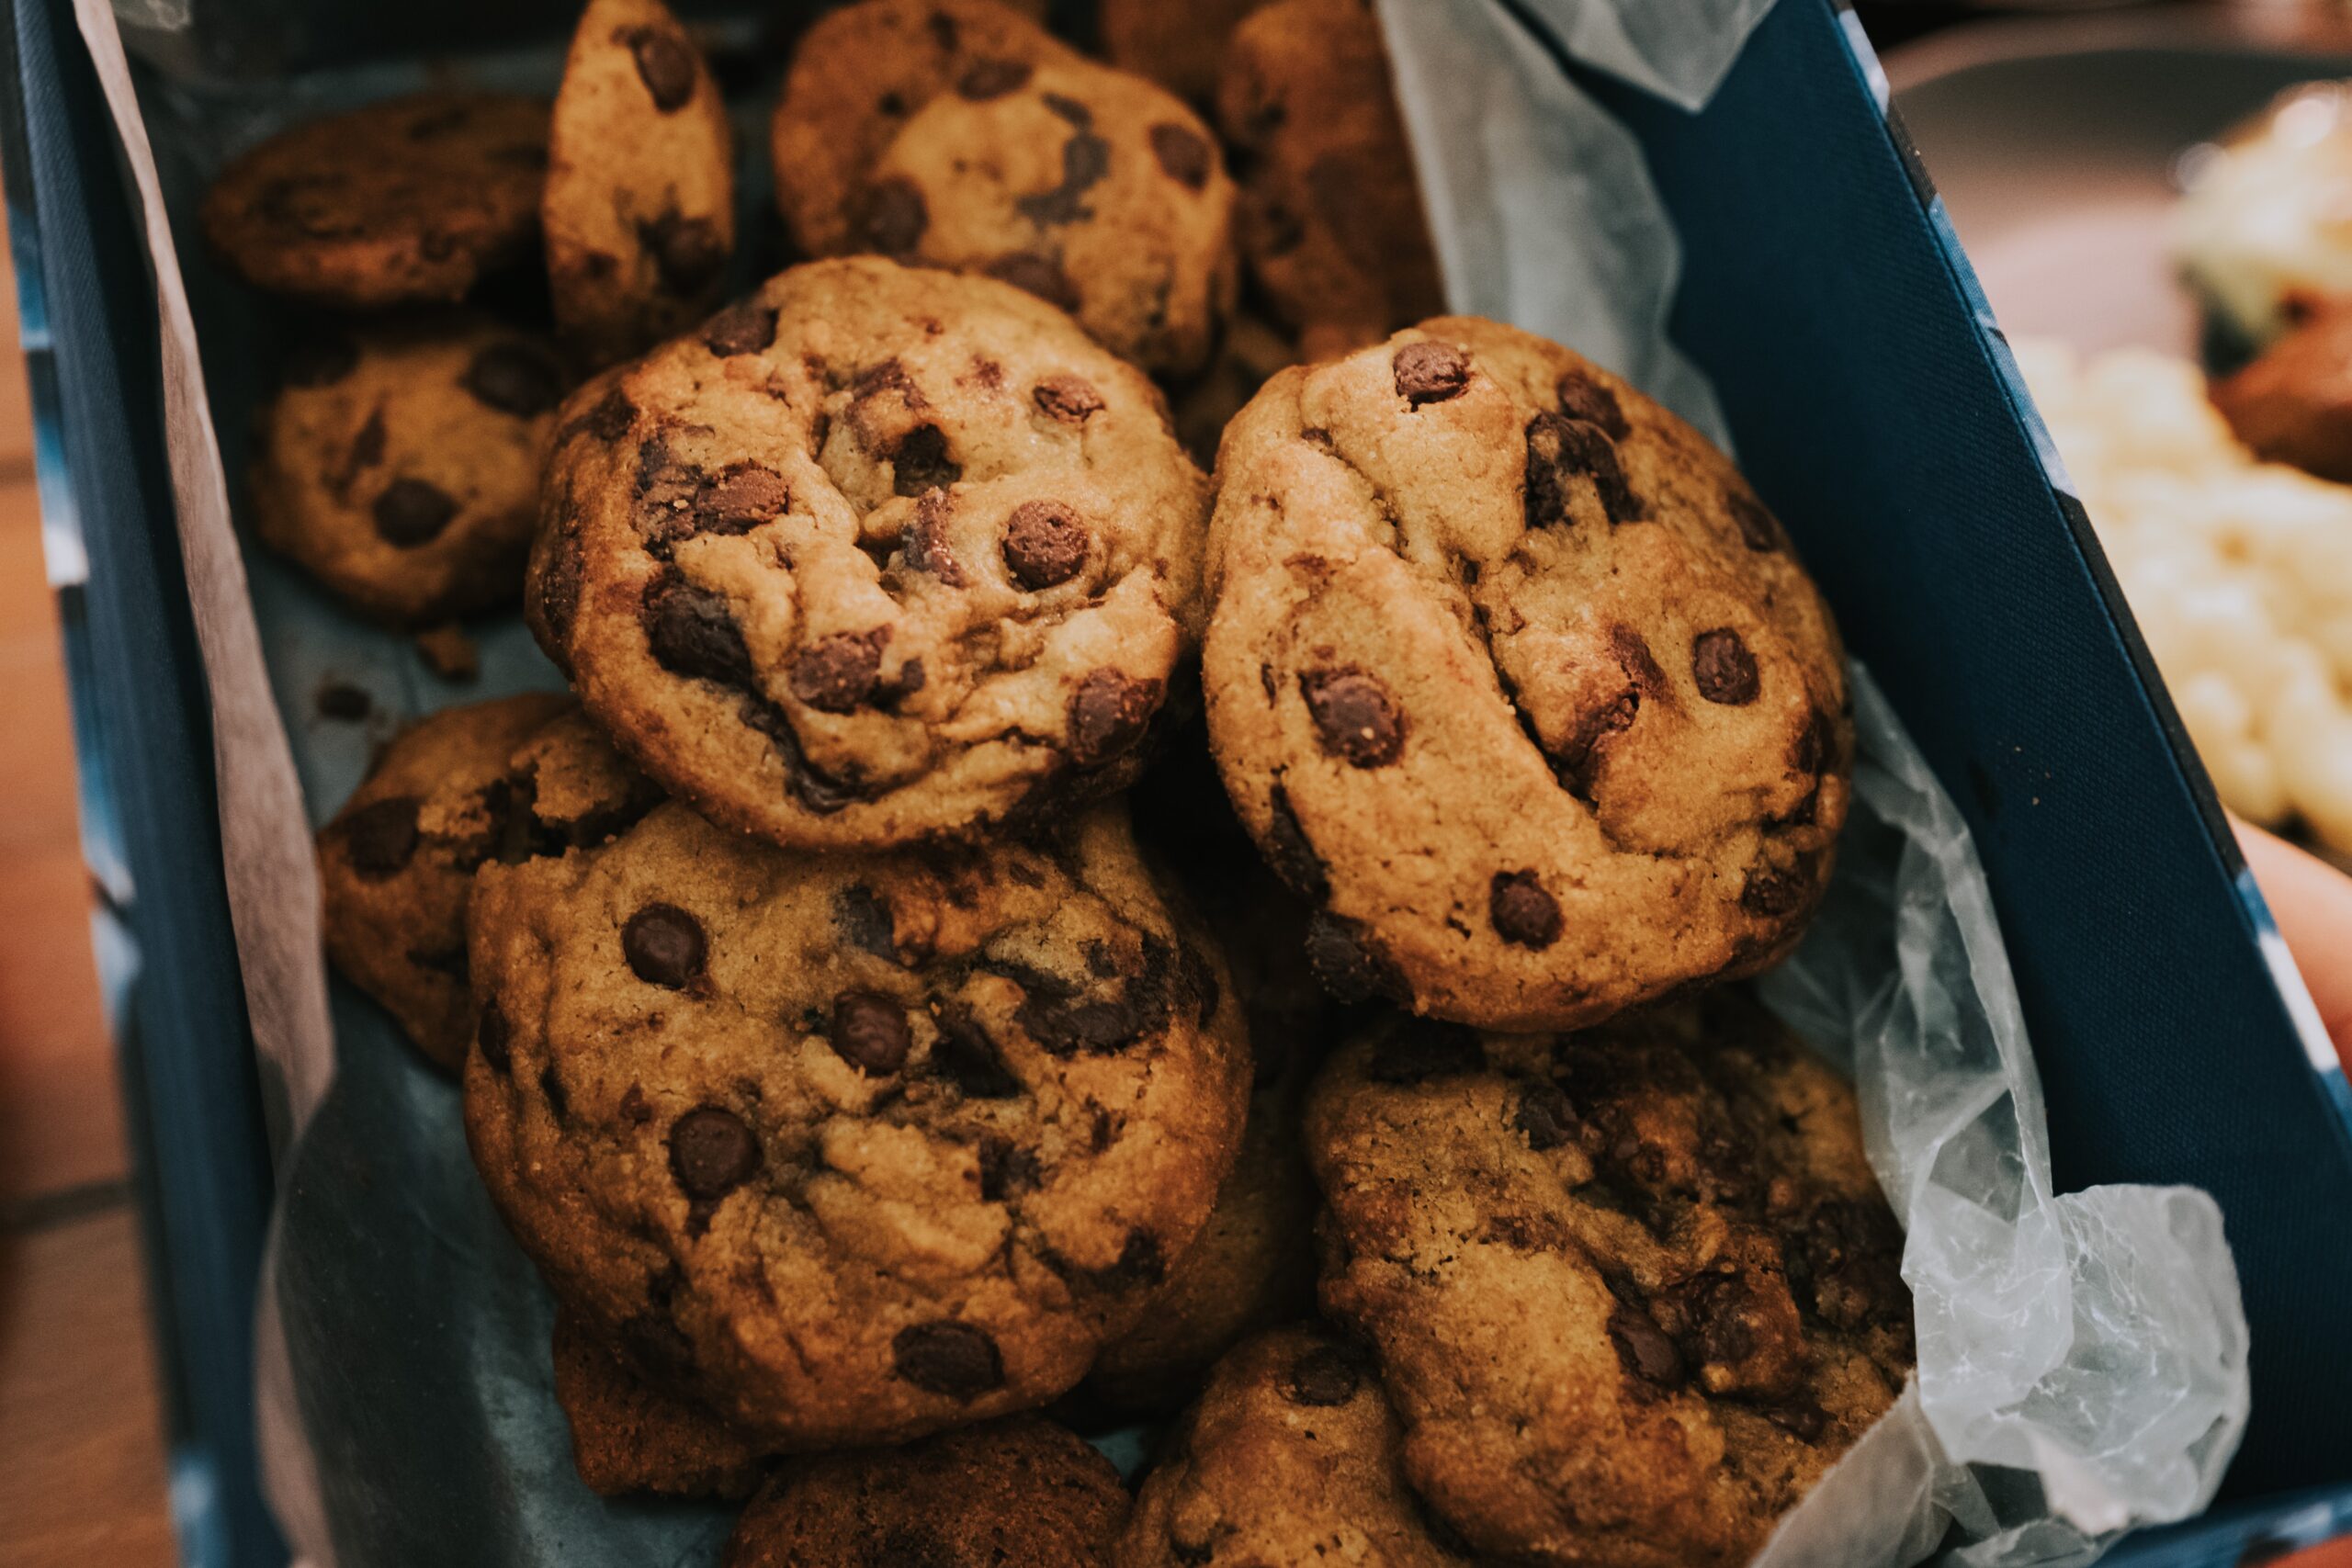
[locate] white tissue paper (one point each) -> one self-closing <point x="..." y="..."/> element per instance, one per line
<point x="2082" y="1357"/>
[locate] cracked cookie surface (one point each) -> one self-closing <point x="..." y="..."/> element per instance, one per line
<point x="639" y="206"/>
<point x="1291" y="1456"/>
<point x="1009" y="156"/>
<point x="406" y="201"/>
<point x="1510" y="672"/>
<point x="879" y="555"/>
<point x="506" y="779"/>
<point x="850" y="1149"/>
<point x="399" y="463"/>
<point x="1632" y="1292"/>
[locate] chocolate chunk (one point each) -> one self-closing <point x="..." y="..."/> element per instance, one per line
<point x="382" y="836"/>
<point x="952" y="1358"/>
<point x="1431" y="372"/>
<point x="1561" y="451"/>
<point x="1348" y="968"/>
<point x="1354" y="716"/>
<point x="1006" y="1169"/>
<point x="1324" y="1376"/>
<point x="1583" y="397"/>
<point x="1108" y="714"/>
<point x="1757" y="528"/>
<point x="1039" y="274"/>
<point x="712" y="1153"/>
<point x="1183" y="157"/>
<point x="1545" y="1117"/>
<point x="492" y="1034"/>
<point x="688" y="253"/>
<point x="1416" y="1050"/>
<point x="835" y="674"/>
<point x="870" y="1032"/>
<point x="693" y="634"/>
<point x="1643" y="1348"/>
<point x="926" y="547"/>
<point x="1723" y="669"/>
<point x="321" y="359"/>
<point x="1044" y="544"/>
<point x="1291" y="853"/>
<point x="743" y="496"/>
<point x="1523" y="913"/>
<point x="921" y="462"/>
<point x="513" y="379"/>
<point x="664" y="947"/>
<point x="895" y="216"/>
<point x="411" y="511"/>
<point x="985" y="79"/>
<point x="609" y="419"/>
<point x="969" y="1058"/>
<point x="1578" y="758"/>
<point x="1086" y="158"/>
<point x="1141" y="1263"/>
<point x="1067" y="397"/>
<point x="1771" y="892"/>
<point x="665" y="63"/>
<point x="864" y="920"/>
<point x="740" y="329"/>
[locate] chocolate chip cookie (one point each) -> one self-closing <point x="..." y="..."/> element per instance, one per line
<point x="399" y="463"/>
<point x="509" y="779"/>
<point x="1330" y="222"/>
<point x="640" y="206"/>
<point x="879" y="555"/>
<point x="1511" y="674"/>
<point x="1018" y="1492"/>
<point x="630" y="1436"/>
<point x="850" y="1149"/>
<point x="1178" y="43"/>
<point x="1095" y="190"/>
<point x="410" y="200"/>
<point x="1290" y="1457"/>
<point x="1632" y="1291"/>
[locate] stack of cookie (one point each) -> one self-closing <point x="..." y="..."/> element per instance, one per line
<point x="993" y="885"/>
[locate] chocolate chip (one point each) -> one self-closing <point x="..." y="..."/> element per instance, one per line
<point x="1108" y="714"/>
<point x="688" y="253"/>
<point x="1348" y="968"/>
<point x="926" y="547"/>
<point x="1291" y="852"/>
<point x="1583" y="397"/>
<point x="693" y="634"/>
<point x="1523" y="913"/>
<point x="1141" y="1263"/>
<point x="864" y="919"/>
<point x="870" y="1032"/>
<point x="1044" y="544"/>
<point x="1723" y="669"/>
<point x="921" y="462"/>
<point x="1561" y="451"/>
<point x="1067" y="397"/>
<point x="513" y="379"/>
<point x="1416" y="1050"/>
<point x="952" y="1358"/>
<point x="1324" y="1376"/>
<point x="1757" y="528"/>
<point x="321" y="359"/>
<point x="1086" y="158"/>
<point x="1643" y="1348"/>
<point x="492" y="1034"/>
<point x="743" y="496"/>
<point x="609" y="419"/>
<point x="835" y="674"/>
<point x="1039" y="274"/>
<point x="985" y="79"/>
<point x="1577" y="758"/>
<point x="1354" y="716"/>
<point x="1771" y="892"/>
<point x="665" y="65"/>
<point x="943" y="31"/>
<point x="1431" y="372"/>
<point x="895" y="216"/>
<point x="969" y="1058"/>
<point x="712" y="1153"/>
<point x="1006" y="1169"/>
<point x="740" y="329"/>
<point x="664" y="947"/>
<point x="1545" y="1117"/>
<point x="1183" y="157"/>
<point x="412" y="513"/>
<point x="382" y="836"/>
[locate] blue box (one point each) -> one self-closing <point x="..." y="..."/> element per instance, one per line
<point x="1875" y="407"/>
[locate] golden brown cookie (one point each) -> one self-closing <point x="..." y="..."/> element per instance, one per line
<point x="1332" y="222"/>
<point x="399" y="463"/>
<point x="1632" y="1292"/>
<point x="1178" y="43"/>
<point x="410" y="200"/>
<point x="1095" y="190"/>
<point x="630" y="1436"/>
<point x="1510" y="675"/>
<point x="639" y="206"/>
<point x="506" y="779"/>
<point x="850" y="1149"/>
<point x="1019" y="1492"/>
<point x="880" y="555"/>
<point x="1290" y="1457"/>
<point x="2293" y="403"/>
